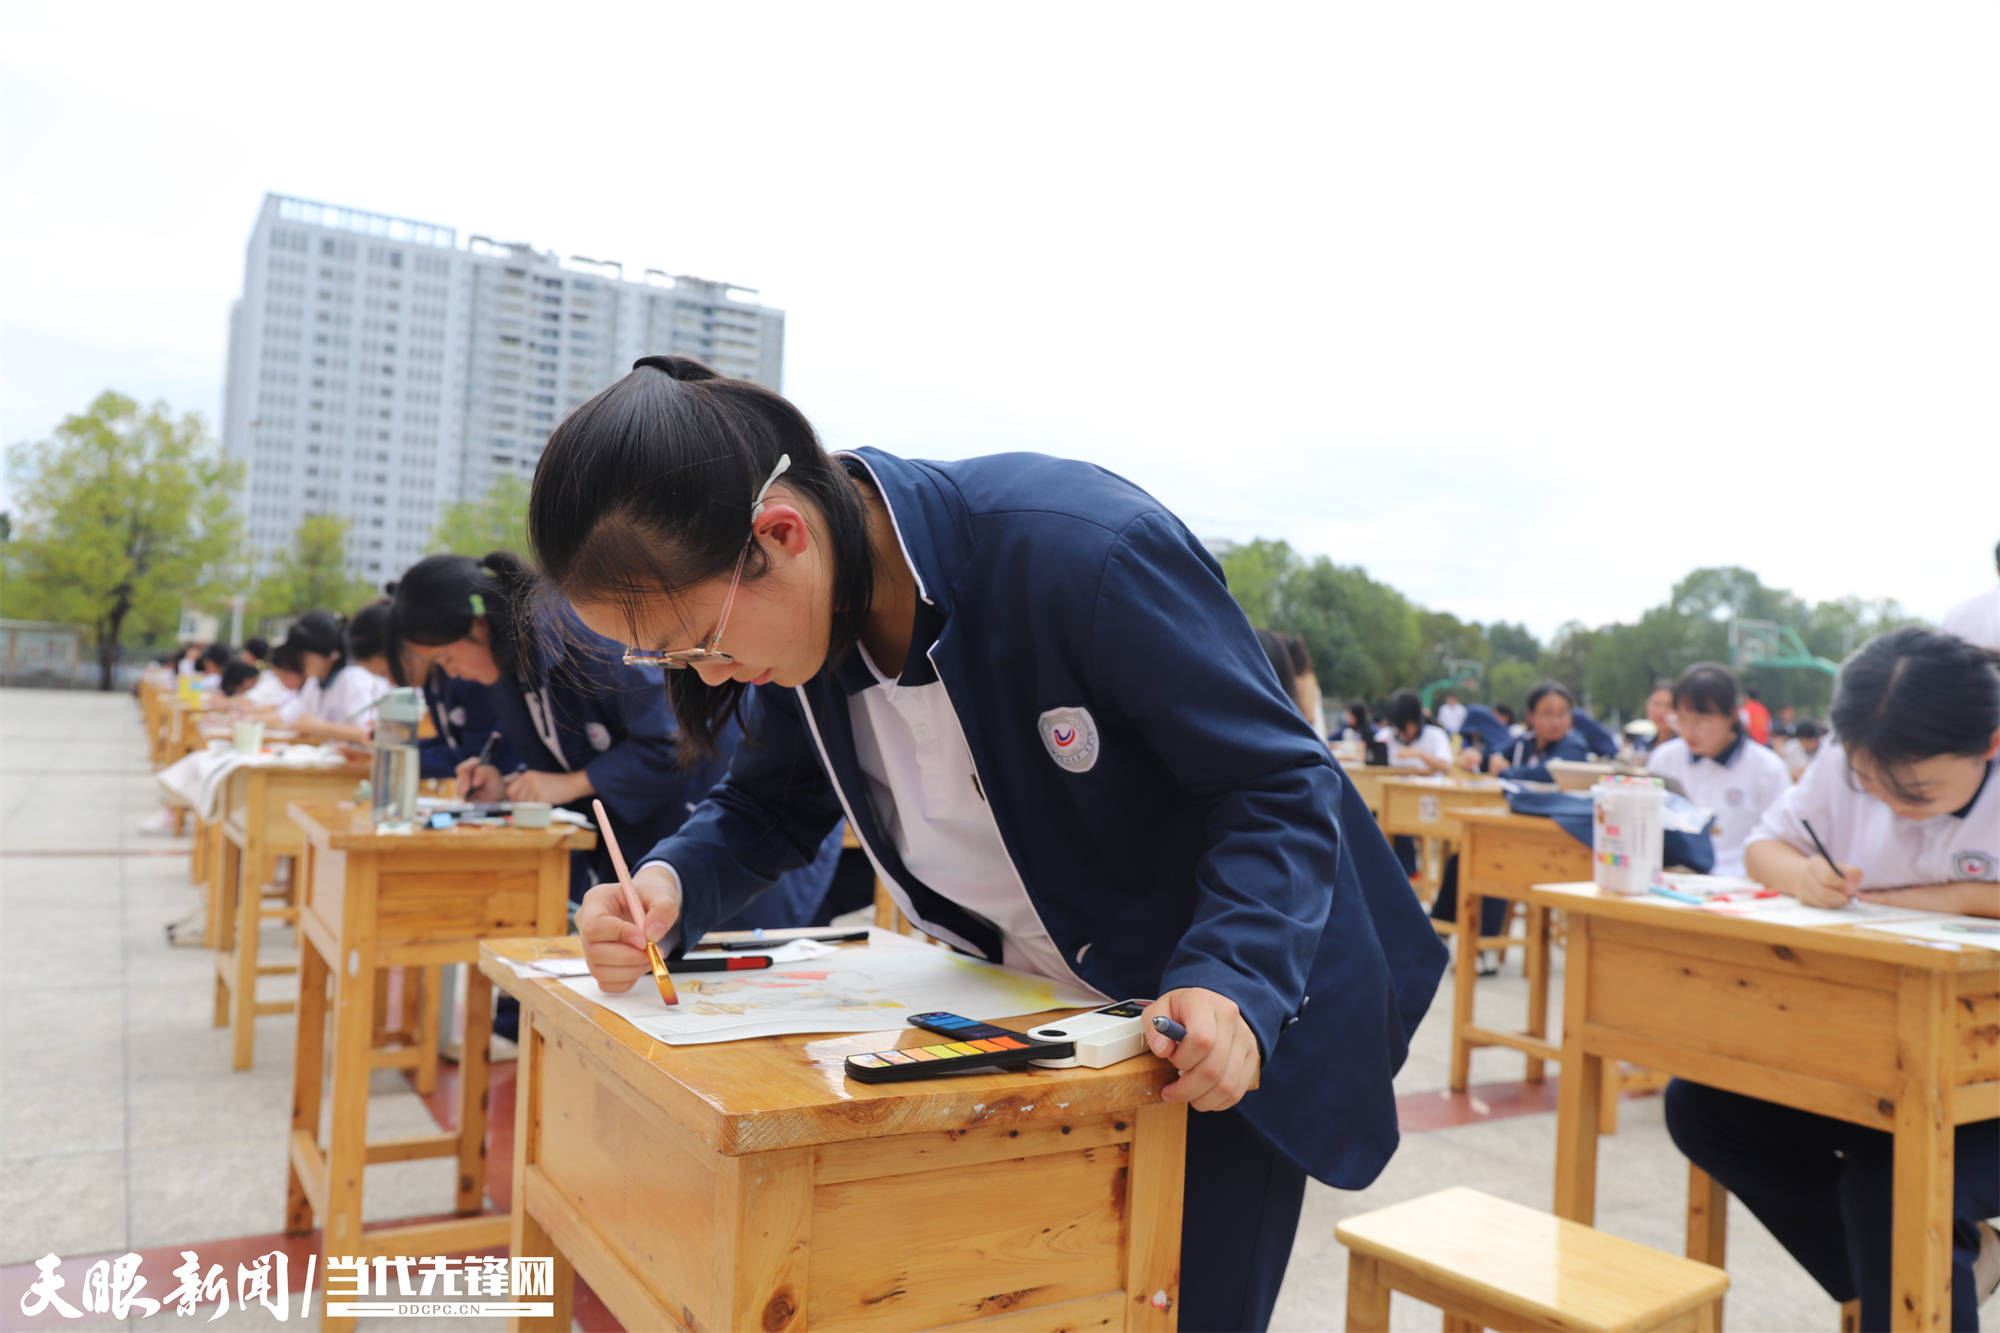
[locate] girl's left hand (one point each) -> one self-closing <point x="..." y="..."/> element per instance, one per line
<point x="553" y="788"/>
<point x="1218" y="1058"/>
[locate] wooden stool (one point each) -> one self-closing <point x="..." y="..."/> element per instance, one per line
<point x="1488" y="1263"/>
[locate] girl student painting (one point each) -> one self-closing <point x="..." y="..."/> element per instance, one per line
<point x="1026" y="687"/>
<point x="1907" y="801"/>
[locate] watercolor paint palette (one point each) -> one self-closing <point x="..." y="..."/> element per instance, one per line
<point x="969" y="1045"/>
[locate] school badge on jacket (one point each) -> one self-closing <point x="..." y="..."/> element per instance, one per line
<point x="1070" y="736"/>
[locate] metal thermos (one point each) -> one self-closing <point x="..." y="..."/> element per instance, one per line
<point x="395" y="774"/>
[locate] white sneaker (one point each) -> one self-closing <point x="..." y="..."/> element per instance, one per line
<point x="1986" y="1268"/>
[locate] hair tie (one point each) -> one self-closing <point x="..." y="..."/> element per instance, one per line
<point x="478" y="605"/>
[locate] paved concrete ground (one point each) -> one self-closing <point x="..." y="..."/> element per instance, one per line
<point x="122" y="1127"/>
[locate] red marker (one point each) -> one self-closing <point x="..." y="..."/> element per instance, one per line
<point x="753" y="963"/>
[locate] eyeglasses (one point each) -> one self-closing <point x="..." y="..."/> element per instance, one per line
<point x="692" y="657"/>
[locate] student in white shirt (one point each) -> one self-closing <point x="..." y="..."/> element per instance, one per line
<point x="1802" y="746"/>
<point x="1977" y="618"/>
<point x="1413" y="742"/>
<point x="1717" y="764"/>
<point x="1451" y="714"/>
<point x="330" y="704"/>
<point x="1908" y="803"/>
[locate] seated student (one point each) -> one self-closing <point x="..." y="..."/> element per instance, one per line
<point x="1358" y="726"/>
<point x="1505" y="712"/>
<point x="1413" y="742"/>
<point x="463" y="716"/>
<point x="237" y="678"/>
<point x="208" y="667"/>
<point x="1550" y="714"/>
<point x="577" y="721"/>
<point x="257" y="652"/>
<point x="1716" y="764"/>
<point x="279" y="684"/>
<point x="332" y="702"/>
<point x="1659" y="712"/>
<point x="1908" y="803"/>
<point x="1803" y="747"/>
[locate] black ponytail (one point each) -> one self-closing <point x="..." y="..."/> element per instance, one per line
<point x="1911" y="695"/>
<point x="646" y="490"/>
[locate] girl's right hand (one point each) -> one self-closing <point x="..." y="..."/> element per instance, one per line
<point x="1818" y="886"/>
<point x="613" y="944"/>
<point x="480" y="782"/>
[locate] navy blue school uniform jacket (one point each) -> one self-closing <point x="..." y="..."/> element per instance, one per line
<point x="462" y="714"/>
<point x="1526" y="755"/>
<point x="612" y="721"/>
<point x="1174" y="819"/>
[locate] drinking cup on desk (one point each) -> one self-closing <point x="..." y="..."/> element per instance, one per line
<point x="249" y="737"/>
<point x="533" y="814"/>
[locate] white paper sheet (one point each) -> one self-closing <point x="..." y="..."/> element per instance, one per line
<point x="1789" y="911"/>
<point x="1972" y="932"/>
<point x="845" y="990"/>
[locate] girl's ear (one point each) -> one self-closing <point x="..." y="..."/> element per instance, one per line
<point x="1993" y="745"/>
<point x="782" y="526"/>
<point x="481" y="634"/>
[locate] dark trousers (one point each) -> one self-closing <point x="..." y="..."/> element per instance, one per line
<point x="1492" y="911"/>
<point x="1825" y="1189"/>
<point x="1239" y="1214"/>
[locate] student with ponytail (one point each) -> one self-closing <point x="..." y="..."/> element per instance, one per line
<point x="577" y="722"/>
<point x="1025" y="685"/>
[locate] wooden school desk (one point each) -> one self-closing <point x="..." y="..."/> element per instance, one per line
<point x="253" y="833"/>
<point x="749" y="1185"/>
<point x="1872" y="1028"/>
<point x="1416" y="806"/>
<point x="371" y="900"/>
<point x="1501" y="855"/>
<point x="1368" y="780"/>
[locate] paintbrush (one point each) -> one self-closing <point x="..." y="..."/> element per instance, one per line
<point x="660" y="977"/>
<point x="1832" y="864"/>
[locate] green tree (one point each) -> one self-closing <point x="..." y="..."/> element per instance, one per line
<point x="1508" y="682"/>
<point x="311" y="575"/>
<point x="1512" y="643"/>
<point x="496" y="521"/>
<point x="1257" y="574"/>
<point x="125" y="514"/>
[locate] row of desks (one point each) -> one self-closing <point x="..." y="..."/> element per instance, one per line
<point x="1896" y="1034"/>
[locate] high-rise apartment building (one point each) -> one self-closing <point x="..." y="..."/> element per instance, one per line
<point x="380" y="371"/>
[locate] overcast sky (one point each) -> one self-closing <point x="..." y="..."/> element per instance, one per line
<point x="1528" y="309"/>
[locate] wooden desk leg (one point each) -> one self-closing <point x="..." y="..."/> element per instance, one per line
<point x="1153" y="1248"/>
<point x="222" y="915"/>
<point x="1577" y="1100"/>
<point x="430" y="979"/>
<point x="527" y="1238"/>
<point x="1920" y="1281"/>
<point x="249" y="921"/>
<point x="1607" y="1097"/>
<point x="347" y="1140"/>
<point x="1538" y="986"/>
<point x="476" y="1037"/>
<point x="1707" y="1235"/>
<point x="379" y="1036"/>
<point x="1367" y="1295"/>
<point x="308" y="1075"/>
<point x="1465" y="976"/>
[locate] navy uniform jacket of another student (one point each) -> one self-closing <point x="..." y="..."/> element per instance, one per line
<point x="462" y="712"/>
<point x="1528" y="753"/>
<point x="1196" y="835"/>
<point x="613" y="722"/>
